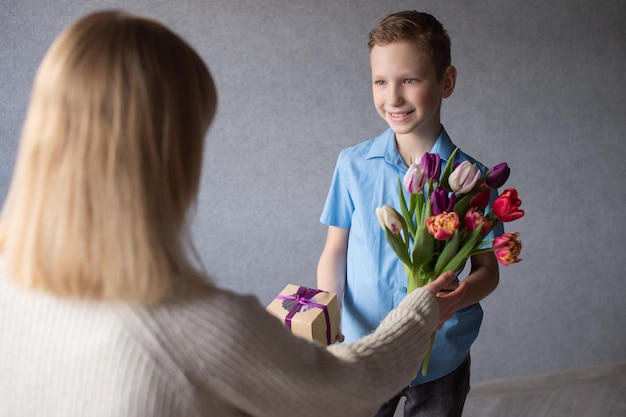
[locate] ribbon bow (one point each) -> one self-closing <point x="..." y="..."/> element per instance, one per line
<point x="299" y="301"/>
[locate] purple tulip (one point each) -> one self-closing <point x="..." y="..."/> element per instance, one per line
<point x="497" y="176"/>
<point x="431" y="164"/>
<point x="440" y="201"/>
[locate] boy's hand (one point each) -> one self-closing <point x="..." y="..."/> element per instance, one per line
<point x="448" y="297"/>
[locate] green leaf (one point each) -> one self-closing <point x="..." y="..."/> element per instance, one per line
<point x="448" y="252"/>
<point x="398" y="246"/>
<point x="413" y="202"/>
<point x="448" y="170"/>
<point x="404" y="210"/>
<point x="424" y="246"/>
<point x="462" y="203"/>
<point x="419" y="204"/>
<point x="464" y="252"/>
<point x="412" y="281"/>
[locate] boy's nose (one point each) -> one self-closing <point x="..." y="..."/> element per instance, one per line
<point x="395" y="97"/>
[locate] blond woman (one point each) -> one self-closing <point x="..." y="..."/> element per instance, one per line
<point x="102" y="313"/>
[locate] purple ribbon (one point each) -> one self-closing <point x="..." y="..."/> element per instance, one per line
<point x="303" y="298"/>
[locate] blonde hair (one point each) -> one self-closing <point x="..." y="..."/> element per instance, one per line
<point x="109" y="163"/>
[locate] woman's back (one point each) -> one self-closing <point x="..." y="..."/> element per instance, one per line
<point x="83" y="358"/>
<point x="66" y="357"/>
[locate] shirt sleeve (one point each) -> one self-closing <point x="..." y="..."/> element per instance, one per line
<point x="339" y="206"/>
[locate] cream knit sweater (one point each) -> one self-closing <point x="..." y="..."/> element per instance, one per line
<point x="212" y="354"/>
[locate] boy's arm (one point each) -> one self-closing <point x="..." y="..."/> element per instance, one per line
<point x="483" y="278"/>
<point x="331" y="268"/>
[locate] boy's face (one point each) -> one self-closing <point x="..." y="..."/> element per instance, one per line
<point x="406" y="92"/>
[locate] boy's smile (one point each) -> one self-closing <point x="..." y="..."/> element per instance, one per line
<point x="407" y="94"/>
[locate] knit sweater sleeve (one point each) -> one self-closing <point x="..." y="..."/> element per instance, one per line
<point x="265" y="371"/>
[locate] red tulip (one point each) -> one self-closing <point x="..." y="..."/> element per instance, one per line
<point x="506" y="207"/>
<point x="481" y="200"/>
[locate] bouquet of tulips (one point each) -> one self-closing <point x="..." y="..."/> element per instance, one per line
<point x="442" y="222"/>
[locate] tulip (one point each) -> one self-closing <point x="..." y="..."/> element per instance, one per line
<point x="507" y="248"/>
<point x="440" y="202"/>
<point x="414" y="179"/>
<point x="443" y="226"/>
<point x="506" y="207"/>
<point x="431" y="164"/>
<point x="481" y="200"/>
<point x="464" y="177"/>
<point x="389" y="219"/>
<point x="497" y="176"/>
<point x="474" y="219"/>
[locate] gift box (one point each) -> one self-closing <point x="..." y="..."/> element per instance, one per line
<point x="309" y="313"/>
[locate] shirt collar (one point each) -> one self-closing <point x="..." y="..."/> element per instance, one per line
<point x="384" y="146"/>
<point x="443" y="145"/>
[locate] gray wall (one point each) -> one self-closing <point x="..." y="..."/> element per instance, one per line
<point x="540" y="85"/>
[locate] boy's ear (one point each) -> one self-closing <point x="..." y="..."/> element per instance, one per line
<point x="448" y="82"/>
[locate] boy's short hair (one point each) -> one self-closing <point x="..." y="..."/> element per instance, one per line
<point x="422" y="28"/>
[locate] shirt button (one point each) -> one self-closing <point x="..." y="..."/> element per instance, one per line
<point x="403" y="289"/>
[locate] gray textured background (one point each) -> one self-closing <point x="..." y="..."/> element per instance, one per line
<point x="540" y="85"/>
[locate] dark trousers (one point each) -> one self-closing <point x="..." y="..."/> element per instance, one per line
<point x="443" y="397"/>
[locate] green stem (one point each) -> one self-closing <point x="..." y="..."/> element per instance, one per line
<point x="427" y="357"/>
<point x="412" y="282"/>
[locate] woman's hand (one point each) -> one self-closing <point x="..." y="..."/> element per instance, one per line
<point x="448" y="297"/>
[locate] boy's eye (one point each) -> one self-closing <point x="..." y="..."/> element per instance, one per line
<point x="379" y="82"/>
<point x="409" y="80"/>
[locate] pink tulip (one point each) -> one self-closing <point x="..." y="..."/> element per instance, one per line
<point x="474" y="219"/>
<point x="507" y="248"/>
<point x="443" y="226"/>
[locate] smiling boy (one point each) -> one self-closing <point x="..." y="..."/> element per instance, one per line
<point x="411" y="75"/>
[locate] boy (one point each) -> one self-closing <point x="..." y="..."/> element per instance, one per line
<point x="411" y="74"/>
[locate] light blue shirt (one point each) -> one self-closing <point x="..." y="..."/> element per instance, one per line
<point x="366" y="177"/>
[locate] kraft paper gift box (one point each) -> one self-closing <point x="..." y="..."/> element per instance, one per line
<point x="309" y="313"/>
